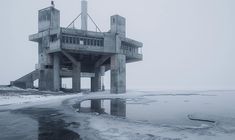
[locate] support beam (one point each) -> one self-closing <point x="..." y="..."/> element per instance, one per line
<point x="56" y="72"/>
<point x="70" y="57"/>
<point x="101" y="60"/>
<point x="76" y="72"/>
<point x="118" y="73"/>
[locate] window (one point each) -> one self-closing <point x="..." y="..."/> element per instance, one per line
<point x="88" y="42"/>
<point x="94" y="42"/>
<point x="81" y="41"/>
<point x="84" y="41"/>
<point x="102" y="43"/>
<point x="63" y="39"/>
<point x="74" y="40"/>
<point x="78" y="41"/>
<point x="67" y="39"/>
<point x="70" y="40"/>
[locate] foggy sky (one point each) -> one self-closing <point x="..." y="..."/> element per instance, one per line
<point x="188" y="44"/>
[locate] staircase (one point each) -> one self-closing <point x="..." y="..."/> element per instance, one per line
<point x="27" y="80"/>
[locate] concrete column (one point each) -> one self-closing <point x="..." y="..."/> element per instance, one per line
<point x="96" y="86"/>
<point x="102" y="72"/>
<point x="96" y="81"/>
<point x="46" y="79"/>
<point x="76" y="79"/>
<point x="118" y="73"/>
<point x="56" y="72"/>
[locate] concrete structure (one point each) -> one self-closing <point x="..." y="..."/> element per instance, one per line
<point x="71" y="52"/>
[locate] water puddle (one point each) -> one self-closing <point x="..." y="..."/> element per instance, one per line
<point x="51" y="124"/>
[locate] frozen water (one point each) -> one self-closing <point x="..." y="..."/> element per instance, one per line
<point x="160" y="115"/>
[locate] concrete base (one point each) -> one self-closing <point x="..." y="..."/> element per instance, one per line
<point x="118" y="73"/>
<point x="46" y="79"/>
<point x="22" y="84"/>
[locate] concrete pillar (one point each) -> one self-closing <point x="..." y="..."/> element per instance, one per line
<point x="56" y="72"/>
<point x="102" y="73"/>
<point x="96" y="86"/>
<point x="96" y="81"/>
<point x="118" y="73"/>
<point x="46" y="79"/>
<point x="76" y="79"/>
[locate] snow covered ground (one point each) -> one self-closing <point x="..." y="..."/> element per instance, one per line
<point x="13" y="96"/>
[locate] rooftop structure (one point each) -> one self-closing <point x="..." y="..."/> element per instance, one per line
<point x="76" y="53"/>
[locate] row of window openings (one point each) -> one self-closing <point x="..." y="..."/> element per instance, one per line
<point x="83" y="41"/>
<point x="129" y="49"/>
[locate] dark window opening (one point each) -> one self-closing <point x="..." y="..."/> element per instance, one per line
<point x="78" y="41"/>
<point x="73" y="40"/>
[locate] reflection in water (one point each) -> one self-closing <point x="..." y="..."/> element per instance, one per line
<point x="96" y="106"/>
<point x="51" y="125"/>
<point x="117" y="107"/>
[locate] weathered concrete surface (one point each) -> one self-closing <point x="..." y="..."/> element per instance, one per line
<point x="76" y="79"/>
<point x="96" y="81"/>
<point x="27" y="80"/>
<point x="68" y="52"/>
<point x="118" y="73"/>
<point x="46" y="80"/>
<point x="56" y="72"/>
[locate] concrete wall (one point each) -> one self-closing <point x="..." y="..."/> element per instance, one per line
<point x="48" y="18"/>
<point x="118" y="25"/>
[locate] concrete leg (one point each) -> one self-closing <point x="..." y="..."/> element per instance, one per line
<point x="76" y="79"/>
<point x="96" y="86"/>
<point x="118" y="73"/>
<point x="102" y="71"/>
<point x="96" y="81"/>
<point x="46" y="79"/>
<point x="56" y="72"/>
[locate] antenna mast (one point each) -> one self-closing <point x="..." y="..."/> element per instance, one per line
<point x="84" y="14"/>
<point x="52" y="3"/>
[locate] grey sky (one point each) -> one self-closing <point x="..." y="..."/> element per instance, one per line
<point x="188" y="44"/>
